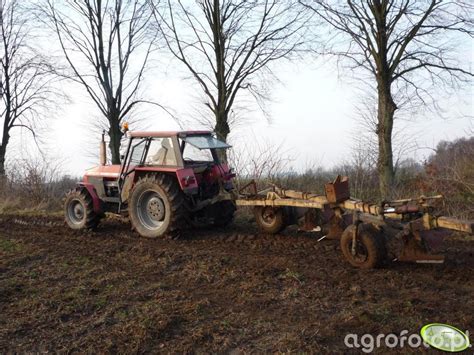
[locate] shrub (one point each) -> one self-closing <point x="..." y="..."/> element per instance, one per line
<point x="34" y="186"/>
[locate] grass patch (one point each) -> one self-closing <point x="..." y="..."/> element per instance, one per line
<point x="9" y="246"/>
<point x="292" y="275"/>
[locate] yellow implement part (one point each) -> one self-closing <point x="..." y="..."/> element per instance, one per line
<point x="455" y="224"/>
<point x="280" y="202"/>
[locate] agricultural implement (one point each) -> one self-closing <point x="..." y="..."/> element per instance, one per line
<point x="410" y="229"/>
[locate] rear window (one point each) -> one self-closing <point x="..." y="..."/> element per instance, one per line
<point x="205" y="142"/>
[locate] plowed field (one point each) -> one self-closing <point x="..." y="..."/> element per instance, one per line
<point x="212" y="290"/>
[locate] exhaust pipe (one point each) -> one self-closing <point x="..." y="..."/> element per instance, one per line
<point x="103" y="151"/>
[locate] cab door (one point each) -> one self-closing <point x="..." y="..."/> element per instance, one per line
<point x="136" y="153"/>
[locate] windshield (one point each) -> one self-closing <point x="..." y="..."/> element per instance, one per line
<point x="205" y="142"/>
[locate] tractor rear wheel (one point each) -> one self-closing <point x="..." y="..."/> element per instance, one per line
<point x="79" y="210"/>
<point x="369" y="250"/>
<point x="223" y="213"/>
<point x="156" y="206"/>
<point x="270" y="220"/>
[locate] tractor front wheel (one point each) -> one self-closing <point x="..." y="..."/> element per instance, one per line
<point x="156" y="206"/>
<point x="270" y="220"/>
<point x="79" y="210"/>
<point x="369" y="249"/>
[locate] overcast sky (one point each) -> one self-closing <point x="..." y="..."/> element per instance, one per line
<point x="313" y="116"/>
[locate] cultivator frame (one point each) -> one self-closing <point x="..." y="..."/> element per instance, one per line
<point x="364" y="229"/>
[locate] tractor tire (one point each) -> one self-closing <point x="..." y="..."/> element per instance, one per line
<point x="370" y="251"/>
<point x="79" y="210"/>
<point x="270" y="220"/>
<point x="156" y="206"/>
<point x="223" y="213"/>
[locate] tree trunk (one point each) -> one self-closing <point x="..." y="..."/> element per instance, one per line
<point x="385" y="115"/>
<point x="115" y="135"/>
<point x="3" y="151"/>
<point x="222" y="131"/>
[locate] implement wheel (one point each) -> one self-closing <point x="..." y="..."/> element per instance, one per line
<point x="270" y="220"/>
<point x="369" y="250"/>
<point x="79" y="210"/>
<point x="156" y="206"/>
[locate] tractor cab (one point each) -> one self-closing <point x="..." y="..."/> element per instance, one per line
<point x="195" y="149"/>
<point x="191" y="155"/>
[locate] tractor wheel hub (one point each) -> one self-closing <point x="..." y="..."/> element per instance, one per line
<point x="78" y="210"/>
<point x="156" y="208"/>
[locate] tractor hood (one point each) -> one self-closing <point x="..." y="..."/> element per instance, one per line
<point x="105" y="171"/>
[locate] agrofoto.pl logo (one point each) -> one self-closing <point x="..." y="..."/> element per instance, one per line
<point x="435" y="335"/>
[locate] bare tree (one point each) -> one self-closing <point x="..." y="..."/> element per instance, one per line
<point x="107" y="45"/>
<point x="403" y="45"/>
<point x="262" y="162"/>
<point x="404" y="140"/>
<point x="228" y="46"/>
<point x="26" y="78"/>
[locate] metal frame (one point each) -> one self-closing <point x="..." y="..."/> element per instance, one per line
<point x="406" y="218"/>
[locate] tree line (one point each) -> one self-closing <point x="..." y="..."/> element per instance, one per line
<point x="402" y="48"/>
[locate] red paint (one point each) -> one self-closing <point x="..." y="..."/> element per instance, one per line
<point x="186" y="178"/>
<point x="165" y="169"/>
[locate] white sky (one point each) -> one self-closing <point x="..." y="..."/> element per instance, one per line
<point x="312" y="116"/>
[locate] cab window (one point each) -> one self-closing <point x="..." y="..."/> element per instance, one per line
<point x="161" y="152"/>
<point x="193" y="154"/>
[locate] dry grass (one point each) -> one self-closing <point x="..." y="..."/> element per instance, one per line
<point x="31" y="187"/>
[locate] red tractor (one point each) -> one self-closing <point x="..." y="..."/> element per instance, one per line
<point x="165" y="181"/>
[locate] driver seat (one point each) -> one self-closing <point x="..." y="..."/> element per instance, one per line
<point x="164" y="155"/>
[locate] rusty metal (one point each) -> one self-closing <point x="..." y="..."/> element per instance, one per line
<point x="335" y="227"/>
<point x="415" y="249"/>
<point x="338" y="190"/>
<point x="413" y="220"/>
<point x="252" y="185"/>
<point x="312" y="220"/>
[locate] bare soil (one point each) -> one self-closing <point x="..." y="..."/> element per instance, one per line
<point x="213" y="290"/>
